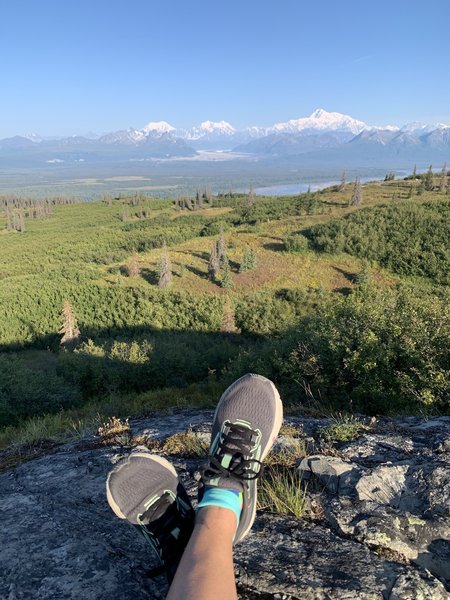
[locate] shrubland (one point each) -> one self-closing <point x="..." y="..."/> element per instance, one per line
<point x="345" y="308"/>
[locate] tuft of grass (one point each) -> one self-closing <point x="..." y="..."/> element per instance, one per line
<point x="288" y="455"/>
<point x="280" y="491"/>
<point x="345" y="428"/>
<point x="115" y="431"/>
<point x="187" y="444"/>
<point x="290" y="431"/>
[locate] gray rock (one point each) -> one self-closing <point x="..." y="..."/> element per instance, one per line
<point x="334" y="474"/>
<point x="60" y="541"/>
<point x="384" y="485"/>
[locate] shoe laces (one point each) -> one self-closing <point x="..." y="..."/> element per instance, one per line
<point x="238" y="441"/>
<point x="167" y="526"/>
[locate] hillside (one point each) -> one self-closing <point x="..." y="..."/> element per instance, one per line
<point x="312" y="296"/>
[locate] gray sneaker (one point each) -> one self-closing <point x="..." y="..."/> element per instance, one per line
<point x="144" y="489"/>
<point x="246" y="424"/>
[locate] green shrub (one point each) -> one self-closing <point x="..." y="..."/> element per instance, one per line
<point x="296" y="243"/>
<point x="409" y="239"/>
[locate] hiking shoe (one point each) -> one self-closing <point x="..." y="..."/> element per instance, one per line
<point x="145" y="490"/>
<point x="246" y="424"/>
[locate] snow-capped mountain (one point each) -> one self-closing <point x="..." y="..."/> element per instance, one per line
<point x="210" y="129"/>
<point x="320" y="120"/>
<point x="319" y="134"/>
<point x="417" y="128"/>
<point x="158" y="128"/>
<point x="124" y="136"/>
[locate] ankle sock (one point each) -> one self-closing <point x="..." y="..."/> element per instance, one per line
<point x="223" y="497"/>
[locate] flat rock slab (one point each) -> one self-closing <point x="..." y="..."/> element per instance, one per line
<point x="59" y="539"/>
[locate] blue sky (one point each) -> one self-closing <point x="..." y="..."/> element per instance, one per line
<point x="72" y="66"/>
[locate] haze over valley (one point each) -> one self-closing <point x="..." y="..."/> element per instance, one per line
<point x="162" y="159"/>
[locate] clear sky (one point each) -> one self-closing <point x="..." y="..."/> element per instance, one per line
<point x="70" y="66"/>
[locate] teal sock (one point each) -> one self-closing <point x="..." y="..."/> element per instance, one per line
<point x="223" y="497"/>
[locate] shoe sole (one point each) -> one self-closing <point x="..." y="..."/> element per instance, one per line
<point x="264" y="452"/>
<point x="158" y="459"/>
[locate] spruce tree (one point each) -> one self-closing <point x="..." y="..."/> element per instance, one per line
<point x="165" y="269"/>
<point x="214" y="262"/>
<point x="443" y="183"/>
<point x="357" y="195"/>
<point x="69" y="329"/>
<point x="341" y="186"/>
<point x="428" y="179"/>
<point x="222" y="247"/>
<point x="252" y="260"/>
<point x="125" y="212"/>
<point x="248" y="260"/>
<point x="244" y="266"/>
<point x="133" y="265"/>
<point x="251" y="196"/>
<point x="226" y="281"/>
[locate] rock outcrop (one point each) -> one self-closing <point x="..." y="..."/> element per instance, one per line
<point x="376" y="524"/>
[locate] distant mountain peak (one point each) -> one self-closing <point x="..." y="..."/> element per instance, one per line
<point x="320" y="113"/>
<point x="320" y="120"/>
<point x="158" y="127"/>
<point x="418" y="128"/>
<point x="217" y="126"/>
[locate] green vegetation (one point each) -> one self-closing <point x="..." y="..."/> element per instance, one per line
<point x="344" y="428"/>
<point x="280" y="492"/>
<point x="409" y="239"/>
<point x="345" y="308"/>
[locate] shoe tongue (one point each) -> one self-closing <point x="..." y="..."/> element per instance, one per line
<point x="157" y="509"/>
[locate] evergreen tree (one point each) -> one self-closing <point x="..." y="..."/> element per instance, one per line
<point x="341" y="185"/>
<point x="356" y="198"/>
<point x="244" y="266"/>
<point x="363" y="278"/>
<point x="69" y="329"/>
<point x="214" y="262"/>
<point x="252" y="260"/>
<point x="414" y="173"/>
<point x="9" y="219"/>
<point x="207" y="197"/>
<point x="165" y="269"/>
<point x="248" y="260"/>
<point x="125" y="212"/>
<point x="226" y="281"/>
<point x="21" y="222"/>
<point x="133" y="265"/>
<point x="421" y="187"/>
<point x="428" y="179"/>
<point x="443" y="183"/>
<point x="222" y="247"/>
<point x="251" y="196"/>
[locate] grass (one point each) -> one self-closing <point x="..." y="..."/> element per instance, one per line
<point x="287" y="455"/>
<point x="344" y="428"/>
<point x="187" y="444"/>
<point x="24" y="441"/>
<point x="280" y="491"/>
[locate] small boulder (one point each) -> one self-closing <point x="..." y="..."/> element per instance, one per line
<point x="335" y="474"/>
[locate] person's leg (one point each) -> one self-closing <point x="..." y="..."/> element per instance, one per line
<point x="246" y="423"/>
<point x="145" y="491"/>
<point x="206" y="568"/>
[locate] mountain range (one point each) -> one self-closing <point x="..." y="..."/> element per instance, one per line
<point x="321" y="135"/>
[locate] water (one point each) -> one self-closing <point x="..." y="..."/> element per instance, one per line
<point x="291" y="189"/>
